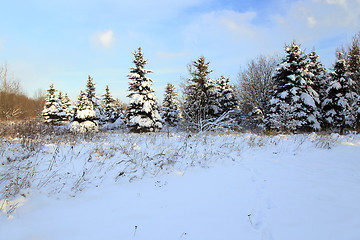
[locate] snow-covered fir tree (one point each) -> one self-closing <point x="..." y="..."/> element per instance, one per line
<point x="84" y="109"/>
<point x="60" y="101"/>
<point x="120" y="107"/>
<point x="200" y="103"/>
<point x="319" y="75"/>
<point x="226" y="96"/>
<point x="143" y="110"/>
<point x="84" y="117"/>
<point x="338" y="106"/>
<point x="110" y="113"/>
<point x="353" y="62"/>
<point x="52" y="112"/>
<point x="294" y="104"/>
<point x="356" y="107"/>
<point x="90" y="90"/>
<point x="170" y="106"/>
<point x="67" y="107"/>
<point x="229" y="115"/>
<point x="91" y="95"/>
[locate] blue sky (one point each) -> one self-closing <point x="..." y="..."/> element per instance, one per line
<point x="63" y="41"/>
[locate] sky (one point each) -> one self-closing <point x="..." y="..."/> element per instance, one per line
<point x="64" y="41"/>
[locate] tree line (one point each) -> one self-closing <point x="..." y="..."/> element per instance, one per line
<point x="295" y="93"/>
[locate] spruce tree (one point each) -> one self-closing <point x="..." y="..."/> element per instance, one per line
<point x="318" y="75"/>
<point x="353" y="62"/>
<point x="52" y="112"/>
<point x="294" y="104"/>
<point x="91" y="95"/>
<point x="226" y="96"/>
<point x="339" y="113"/>
<point x="143" y="109"/>
<point x="110" y="113"/>
<point x="67" y="107"/>
<point x="90" y="90"/>
<point x="200" y="103"/>
<point x="84" y="117"/>
<point x="229" y="115"/>
<point x="120" y="110"/>
<point x="356" y="107"/>
<point x="62" y="101"/>
<point x="170" y="106"/>
<point x="84" y="109"/>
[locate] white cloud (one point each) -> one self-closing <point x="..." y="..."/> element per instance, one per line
<point x="335" y="13"/>
<point x="228" y="39"/>
<point x="242" y="36"/>
<point x="237" y="23"/>
<point x="311" y="21"/>
<point x="105" y="39"/>
<point x="224" y="24"/>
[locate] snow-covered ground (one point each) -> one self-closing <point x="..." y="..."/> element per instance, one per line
<point x="160" y="186"/>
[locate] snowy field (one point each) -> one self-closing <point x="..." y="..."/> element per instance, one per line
<point x="176" y="186"/>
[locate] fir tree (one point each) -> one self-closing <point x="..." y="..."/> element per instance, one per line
<point x="60" y="101"/>
<point x="143" y="110"/>
<point x="120" y="107"/>
<point x="91" y="95"/>
<point x="110" y="113"/>
<point x="356" y="107"/>
<point x="318" y="75"/>
<point x="90" y="90"/>
<point x="84" y="117"/>
<point x="200" y="103"/>
<point x="84" y="109"/>
<point x="341" y="95"/>
<point x="67" y="107"/>
<point x="226" y="96"/>
<point x="294" y="104"/>
<point x="353" y="62"/>
<point x="229" y="115"/>
<point x="52" y="112"/>
<point x="171" y="106"/>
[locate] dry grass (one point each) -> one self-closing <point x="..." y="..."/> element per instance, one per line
<point x="35" y="155"/>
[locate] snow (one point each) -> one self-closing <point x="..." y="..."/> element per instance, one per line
<point x="83" y="127"/>
<point x="119" y="123"/>
<point x="175" y="186"/>
<point x="308" y="100"/>
<point x="291" y="77"/>
<point x="334" y="85"/>
<point x="296" y="99"/>
<point x="141" y="121"/>
<point x="274" y="101"/>
<point x="147" y="107"/>
<point x="283" y="95"/>
<point x="294" y="90"/>
<point x="343" y="102"/>
<point x="85" y="114"/>
<point x="316" y="124"/>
